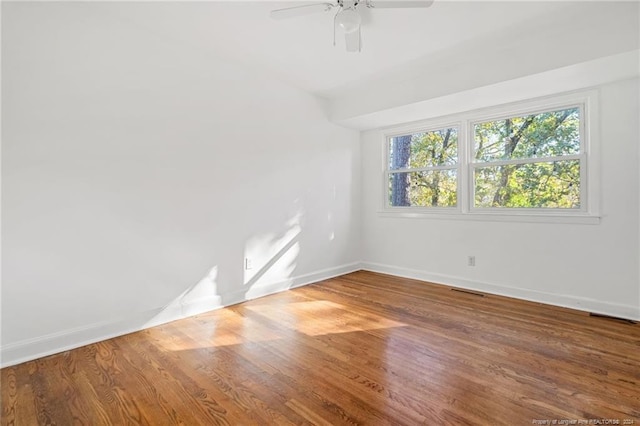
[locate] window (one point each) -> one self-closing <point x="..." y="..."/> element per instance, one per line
<point x="531" y="161"/>
<point x="528" y="159"/>
<point x="423" y="169"/>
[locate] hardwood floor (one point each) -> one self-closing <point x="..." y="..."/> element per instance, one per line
<point x="363" y="348"/>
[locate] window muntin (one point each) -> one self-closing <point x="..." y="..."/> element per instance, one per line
<point x="423" y="169"/>
<point x="528" y="161"/>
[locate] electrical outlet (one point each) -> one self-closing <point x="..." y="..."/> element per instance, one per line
<point x="248" y="263"/>
<point x="471" y="261"/>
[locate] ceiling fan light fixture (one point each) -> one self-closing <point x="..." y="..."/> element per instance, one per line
<point x="349" y="20"/>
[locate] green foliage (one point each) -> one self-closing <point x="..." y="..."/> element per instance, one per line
<point x="532" y="185"/>
<point x="550" y="134"/>
<point x="428" y="149"/>
<point x="435" y="148"/>
<point x="550" y="184"/>
<point x="540" y="180"/>
<point x="435" y="188"/>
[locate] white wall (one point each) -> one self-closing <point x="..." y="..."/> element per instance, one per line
<point x="137" y="173"/>
<point x="589" y="267"/>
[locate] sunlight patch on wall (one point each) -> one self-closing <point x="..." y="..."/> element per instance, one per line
<point x="200" y="297"/>
<point x="272" y="256"/>
<point x="332" y="234"/>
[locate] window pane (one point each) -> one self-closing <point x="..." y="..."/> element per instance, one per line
<point x="536" y="185"/>
<point x="436" y="188"/>
<point x="424" y="149"/>
<point x="549" y="134"/>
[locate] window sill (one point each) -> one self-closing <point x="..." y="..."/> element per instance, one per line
<point x="583" y="219"/>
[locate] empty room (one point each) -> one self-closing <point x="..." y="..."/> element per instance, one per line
<point x="380" y="212"/>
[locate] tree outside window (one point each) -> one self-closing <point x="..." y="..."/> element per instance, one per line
<point x="423" y="169"/>
<point x="528" y="161"/>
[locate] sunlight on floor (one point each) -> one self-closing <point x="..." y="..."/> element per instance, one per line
<point x="263" y="323"/>
<point x="321" y="317"/>
<point x="224" y="327"/>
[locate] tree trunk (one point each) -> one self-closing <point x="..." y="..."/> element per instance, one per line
<point x="401" y="146"/>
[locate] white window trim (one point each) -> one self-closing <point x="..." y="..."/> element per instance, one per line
<point x="589" y="211"/>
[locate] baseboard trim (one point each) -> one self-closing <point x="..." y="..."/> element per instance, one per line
<point x="30" y="349"/>
<point x="261" y="290"/>
<point x="566" y="301"/>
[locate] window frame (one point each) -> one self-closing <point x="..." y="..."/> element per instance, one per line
<point x="588" y="212"/>
<point x="456" y="166"/>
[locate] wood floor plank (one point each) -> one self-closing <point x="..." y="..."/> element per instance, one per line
<point x="360" y="349"/>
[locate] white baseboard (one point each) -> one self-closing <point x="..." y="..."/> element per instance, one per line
<point x="567" y="301"/>
<point x="30" y="349"/>
<point x="261" y="290"/>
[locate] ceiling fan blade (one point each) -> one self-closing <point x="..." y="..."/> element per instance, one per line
<point x="352" y="41"/>
<point x="390" y="4"/>
<point x="305" y="9"/>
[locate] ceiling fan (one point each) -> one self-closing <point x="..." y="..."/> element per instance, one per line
<point x="347" y="18"/>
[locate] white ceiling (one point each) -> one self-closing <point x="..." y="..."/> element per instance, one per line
<point x="300" y="50"/>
